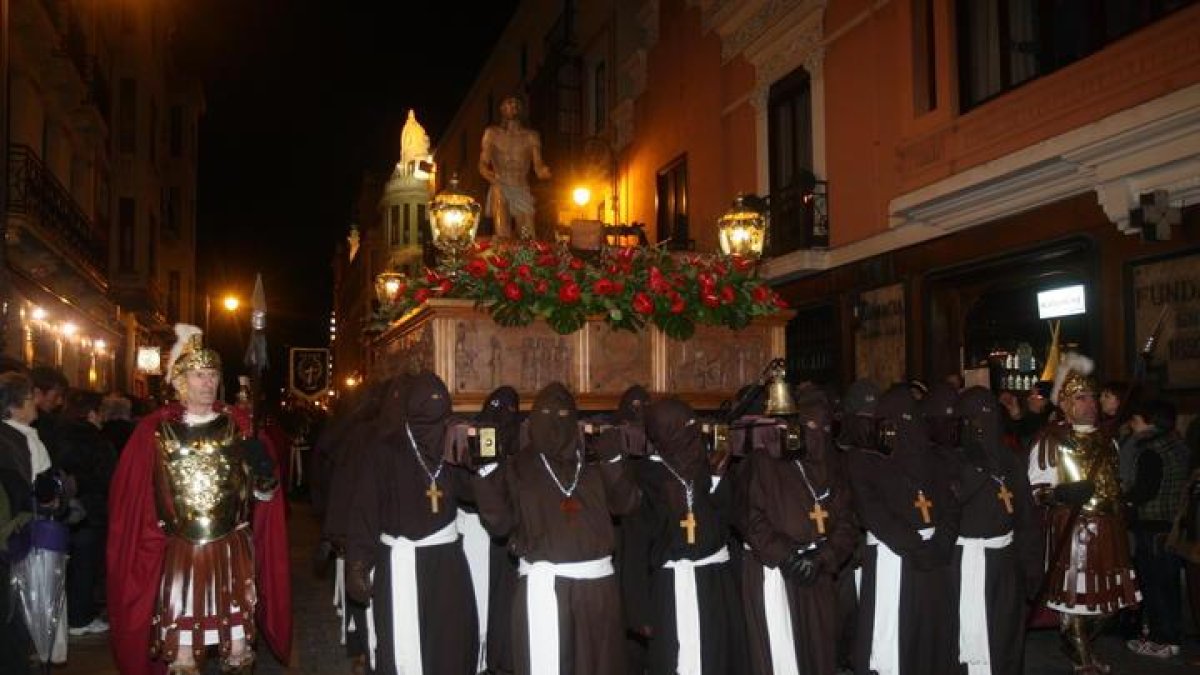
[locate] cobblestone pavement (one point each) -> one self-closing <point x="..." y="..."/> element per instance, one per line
<point x="316" y="649"/>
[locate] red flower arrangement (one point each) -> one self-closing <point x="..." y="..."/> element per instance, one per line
<point x="630" y="287"/>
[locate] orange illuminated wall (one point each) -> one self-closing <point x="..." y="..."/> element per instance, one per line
<point x="696" y="106"/>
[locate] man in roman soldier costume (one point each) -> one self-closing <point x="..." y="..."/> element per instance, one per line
<point x="194" y="506"/>
<point x="1073" y="471"/>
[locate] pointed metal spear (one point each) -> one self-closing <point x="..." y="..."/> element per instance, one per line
<point x="256" y="350"/>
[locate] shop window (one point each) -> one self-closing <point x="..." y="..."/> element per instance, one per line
<point x="1004" y="43"/>
<point x="814" y="345"/>
<point x="790" y="157"/>
<point x="127" y="116"/>
<point x="924" y="57"/>
<point x="671" y="197"/>
<point x="126" y="234"/>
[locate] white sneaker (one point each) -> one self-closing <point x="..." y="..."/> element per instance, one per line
<point x="96" y="627"/>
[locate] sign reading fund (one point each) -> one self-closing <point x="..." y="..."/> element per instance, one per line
<point x="1065" y="301"/>
<point x="1170" y="290"/>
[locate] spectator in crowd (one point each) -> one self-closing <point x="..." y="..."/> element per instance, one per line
<point x="15" y="491"/>
<point x="1117" y="401"/>
<point x="919" y="388"/>
<point x="116" y="420"/>
<point x="49" y="388"/>
<point x="1160" y="478"/>
<point x="20" y="446"/>
<point x="87" y="456"/>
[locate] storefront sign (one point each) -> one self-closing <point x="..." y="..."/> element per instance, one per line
<point x="1174" y="286"/>
<point x="879" y="348"/>
<point x="149" y="360"/>
<point x="308" y="372"/>
<point x="1065" y="301"/>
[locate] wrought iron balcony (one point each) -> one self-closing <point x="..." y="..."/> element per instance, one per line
<point x="36" y="194"/>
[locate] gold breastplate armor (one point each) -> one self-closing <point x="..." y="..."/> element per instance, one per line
<point x="202" y="484"/>
<point x="1080" y="455"/>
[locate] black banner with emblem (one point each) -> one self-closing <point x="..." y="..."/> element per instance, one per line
<point x="308" y="371"/>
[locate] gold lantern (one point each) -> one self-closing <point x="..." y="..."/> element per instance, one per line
<point x="453" y="217"/>
<point x="743" y="228"/>
<point x="388" y="286"/>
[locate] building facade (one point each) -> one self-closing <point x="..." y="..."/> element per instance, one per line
<point x="101" y="203"/>
<point x="932" y="165"/>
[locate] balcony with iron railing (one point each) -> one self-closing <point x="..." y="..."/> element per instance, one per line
<point x="40" y="201"/>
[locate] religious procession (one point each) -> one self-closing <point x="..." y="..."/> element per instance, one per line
<point x="694" y="337"/>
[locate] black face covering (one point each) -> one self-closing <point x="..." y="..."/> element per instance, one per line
<point x="501" y="410"/>
<point x="672" y="427"/>
<point x="427" y="406"/>
<point x="858" y="428"/>
<point x="980" y="424"/>
<point x="633" y="404"/>
<point x="553" y="423"/>
<point x="817" y="419"/>
<point x="938" y="409"/>
<point x="901" y="429"/>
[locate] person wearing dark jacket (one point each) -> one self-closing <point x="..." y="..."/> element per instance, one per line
<point x="86" y="455"/>
<point x="1159" y="479"/>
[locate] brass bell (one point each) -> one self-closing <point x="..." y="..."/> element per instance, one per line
<point x="779" y="393"/>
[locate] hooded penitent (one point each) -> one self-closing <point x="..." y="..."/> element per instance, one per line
<point x="979" y="417"/>
<point x="938" y="410"/>
<point x="501" y="411"/>
<point x="858" y="412"/>
<point x="672" y="428"/>
<point x="632" y="406"/>
<point x="817" y="419"/>
<point x="901" y="429"/>
<point x="554" y="425"/>
<point x="427" y="406"/>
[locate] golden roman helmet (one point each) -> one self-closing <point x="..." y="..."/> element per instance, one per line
<point x="1073" y="377"/>
<point x="189" y="353"/>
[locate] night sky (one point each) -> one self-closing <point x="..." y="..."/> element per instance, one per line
<point x="302" y="97"/>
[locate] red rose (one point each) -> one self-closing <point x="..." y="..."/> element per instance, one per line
<point x="477" y="268"/>
<point x="432" y="276"/>
<point x="742" y="264"/>
<point x="727" y="295"/>
<point x="710" y="299"/>
<point x="677" y="304"/>
<point x="547" y="260"/>
<point x="569" y="292"/>
<point x="541" y="247"/>
<point x="541" y="286"/>
<point x="780" y="302"/>
<point x="604" y="287"/>
<point x="421" y="295"/>
<point x="524" y="272"/>
<point x="642" y="304"/>
<point x="512" y="291"/>
<point x="618" y="287"/>
<point x="482" y="245"/>
<point x="576" y="264"/>
<point x="706" y="281"/>
<point x="761" y="294"/>
<point x="564" y="277"/>
<point x="720" y="269"/>
<point x="445" y="286"/>
<point x="501" y="262"/>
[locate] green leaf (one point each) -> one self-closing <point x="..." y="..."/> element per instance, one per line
<point x="675" y="326"/>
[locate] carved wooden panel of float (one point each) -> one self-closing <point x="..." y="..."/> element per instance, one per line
<point x="474" y="355"/>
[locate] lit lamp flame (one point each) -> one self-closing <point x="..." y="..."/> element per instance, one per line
<point x="388" y="287"/>
<point x="453" y="217"/>
<point x="743" y="229"/>
<point x="581" y="196"/>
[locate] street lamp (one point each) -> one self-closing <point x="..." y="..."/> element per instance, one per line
<point x="743" y="229"/>
<point x="453" y="217"/>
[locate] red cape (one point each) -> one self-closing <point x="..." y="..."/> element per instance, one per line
<point x="136" y="545"/>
